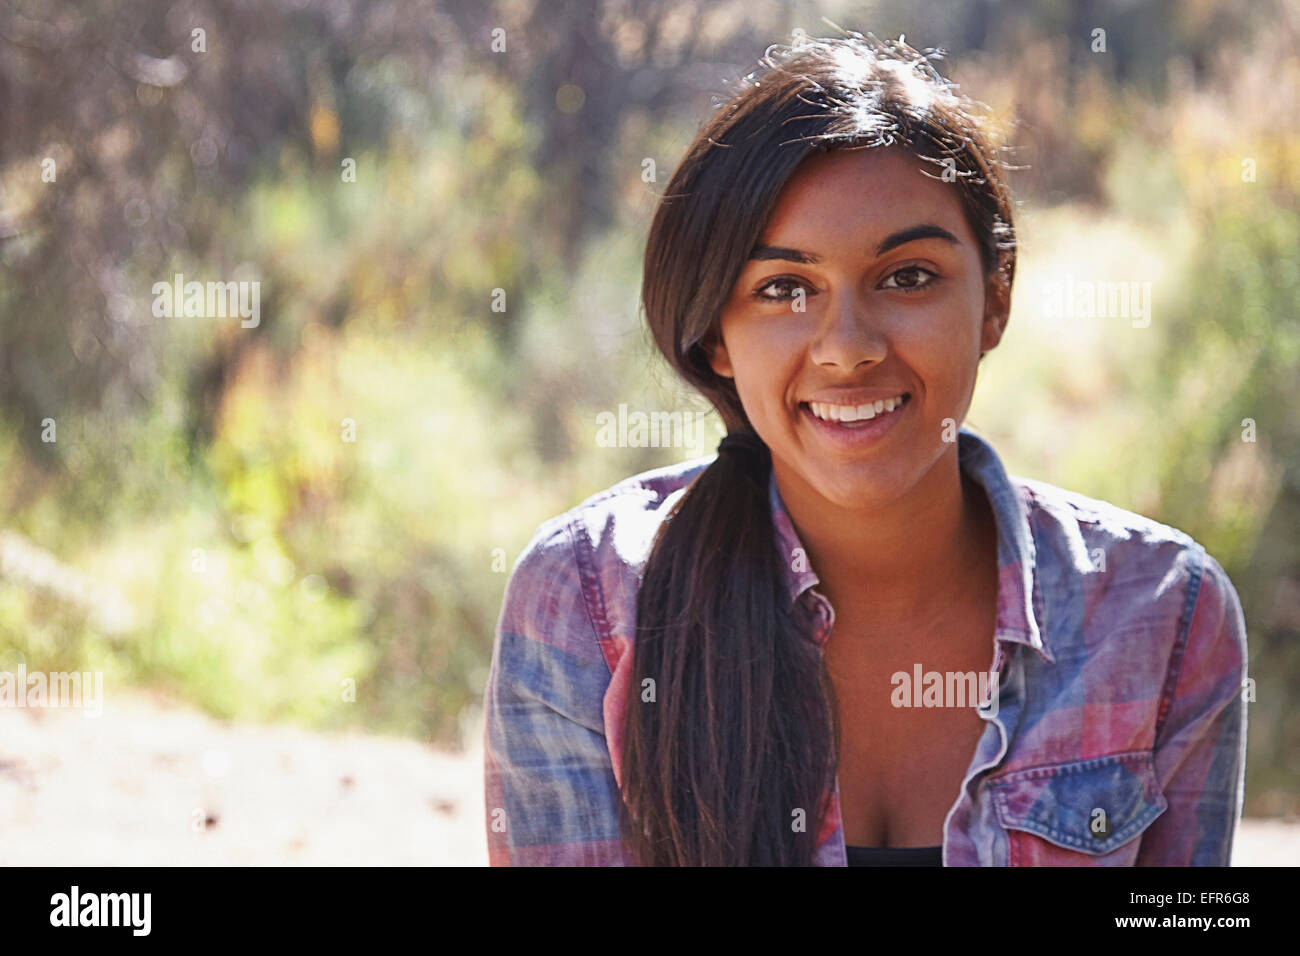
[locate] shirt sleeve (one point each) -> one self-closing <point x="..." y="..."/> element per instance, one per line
<point x="550" y="791"/>
<point x="1200" y="751"/>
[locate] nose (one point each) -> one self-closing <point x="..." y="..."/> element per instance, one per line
<point x="846" y="335"/>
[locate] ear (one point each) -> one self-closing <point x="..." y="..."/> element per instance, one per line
<point x="719" y="360"/>
<point x="997" y="310"/>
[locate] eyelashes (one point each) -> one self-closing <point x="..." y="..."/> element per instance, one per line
<point x="779" y="281"/>
<point x="923" y="279"/>
<point x="921" y="270"/>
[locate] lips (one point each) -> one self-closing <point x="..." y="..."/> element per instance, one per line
<point x="856" y="433"/>
<point x="854" y="412"/>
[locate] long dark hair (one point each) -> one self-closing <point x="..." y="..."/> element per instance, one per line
<point x="731" y="733"/>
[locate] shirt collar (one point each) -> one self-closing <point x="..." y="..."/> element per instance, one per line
<point x="1020" y="606"/>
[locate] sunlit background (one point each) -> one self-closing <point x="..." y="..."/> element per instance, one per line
<point x="265" y="536"/>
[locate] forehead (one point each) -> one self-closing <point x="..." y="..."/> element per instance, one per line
<point x="858" y="194"/>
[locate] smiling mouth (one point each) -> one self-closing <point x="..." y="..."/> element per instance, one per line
<point x="851" y="416"/>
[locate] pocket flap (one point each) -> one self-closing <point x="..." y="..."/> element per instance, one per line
<point x="1060" y="802"/>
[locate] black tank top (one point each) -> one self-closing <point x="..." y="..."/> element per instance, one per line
<point x="895" y="855"/>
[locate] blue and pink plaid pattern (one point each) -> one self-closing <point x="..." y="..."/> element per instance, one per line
<point x="1119" y="736"/>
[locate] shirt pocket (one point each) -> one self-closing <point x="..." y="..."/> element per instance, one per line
<point x="1082" y="813"/>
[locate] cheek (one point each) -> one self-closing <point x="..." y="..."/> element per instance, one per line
<point x="945" y="338"/>
<point x="935" y="347"/>
<point x="763" y="354"/>
<point x="766" y="371"/>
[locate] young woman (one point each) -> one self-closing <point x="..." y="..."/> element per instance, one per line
<point x="772" y="656"/>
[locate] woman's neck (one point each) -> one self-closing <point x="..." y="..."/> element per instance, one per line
<point x="905" y="562"/>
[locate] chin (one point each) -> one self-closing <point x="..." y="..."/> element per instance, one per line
<point x="859" y="487"/>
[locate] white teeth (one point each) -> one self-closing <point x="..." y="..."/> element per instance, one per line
<point x="854" y="413"/>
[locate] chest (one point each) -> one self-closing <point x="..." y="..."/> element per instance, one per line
<point x="908" y="725"/>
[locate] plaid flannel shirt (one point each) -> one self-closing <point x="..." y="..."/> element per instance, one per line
<point x="1119" y="659"/>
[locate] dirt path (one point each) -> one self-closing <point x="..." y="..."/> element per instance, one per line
<point x="148" y="783"/>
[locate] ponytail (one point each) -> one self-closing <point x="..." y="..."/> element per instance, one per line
<point x="730" y="749"/>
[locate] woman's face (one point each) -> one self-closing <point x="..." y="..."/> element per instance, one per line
<point x="866" y="284"/>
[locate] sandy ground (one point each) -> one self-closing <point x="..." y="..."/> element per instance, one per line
<point x="153" y="784"/>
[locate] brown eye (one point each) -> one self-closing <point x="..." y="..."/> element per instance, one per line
<point x="909" y="279"/>
<point x="785" y="282"/>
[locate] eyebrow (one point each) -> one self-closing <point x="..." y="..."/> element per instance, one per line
<point x="911" y="234"/>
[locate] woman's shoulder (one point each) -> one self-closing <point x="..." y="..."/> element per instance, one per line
<point x="623" y="512"/>
<point x="1141" y="643"/>
<point x="596" y="550"/>
<point x="1070" y="530"/>
<point x="1051" y="507"/>
<point x="1105" y="567"/>
<point x="646" y="491"/>
<point x="1060" y="517"/>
